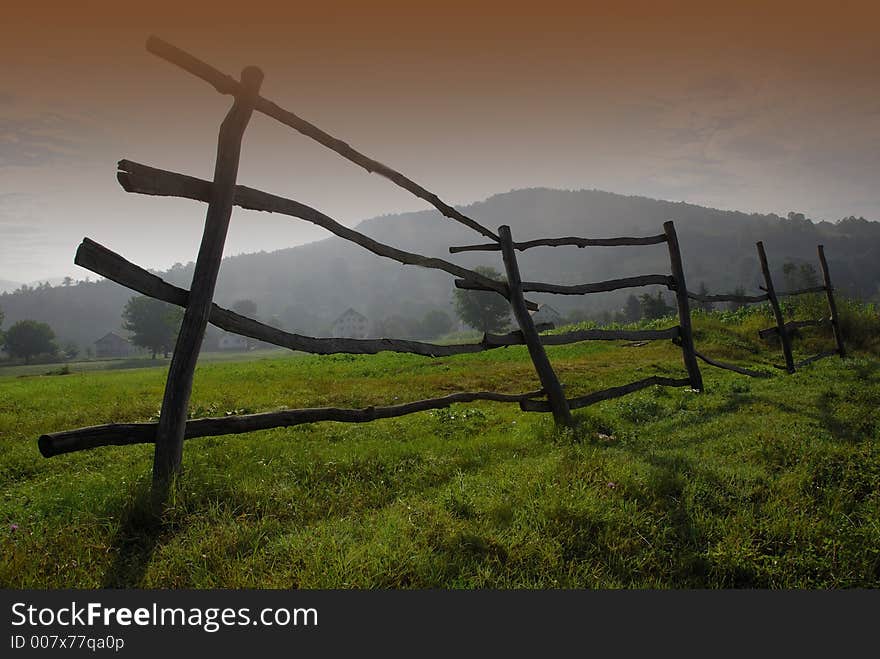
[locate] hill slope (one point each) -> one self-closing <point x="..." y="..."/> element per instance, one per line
<point x="304" y="288"/>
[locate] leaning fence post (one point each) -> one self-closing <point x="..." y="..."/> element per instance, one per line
<point x="552" y="388"/>
<point x="178" y="387"/>
<point x="832" y="306"/>
<point x="777" y="311"/>
<point x="684" y="310"/>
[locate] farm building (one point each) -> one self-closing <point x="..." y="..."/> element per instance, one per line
<point x="112" y="345"/>
<point x="230" y="341"/>
<point x="546" y="315"/>
<point x="350" y="324"/>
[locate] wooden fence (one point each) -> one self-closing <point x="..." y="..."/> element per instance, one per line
<point x="223" y="193"/>
<point x="682" y="334"/>
<point x="783" y="329"/>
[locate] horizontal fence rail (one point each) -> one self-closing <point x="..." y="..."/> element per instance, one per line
<point x="226" y="84"/>
<point x="801" y="291"/>
<point x="790" y="326"/>
<point x="104" y="262"/>
<point x="821" y="355"/>
<point x="560" y="242"/>
<point x="124" y="434"/>
<point x="141" y="179"/>
<point x="109" y="264"/>
<point x="529" y="405"/>
<point x="601" y="335"/>
<point x="724" y="297"/>
<point x="580" y="289"/>
<point x="731" y="367"/>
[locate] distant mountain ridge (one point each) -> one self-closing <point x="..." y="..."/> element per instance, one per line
<point x="305" y="288"/>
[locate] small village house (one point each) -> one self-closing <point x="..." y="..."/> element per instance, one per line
<point x="351" y="325"/>
<point x="546" y="315"/>
<point x="230" y="341"/>
<point x="111" y="346"/>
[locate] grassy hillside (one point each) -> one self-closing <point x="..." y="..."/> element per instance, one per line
<point x="757" y="482"/>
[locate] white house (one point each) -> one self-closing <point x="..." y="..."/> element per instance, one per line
<point x="350" y="325"/>
<point x="546" y="315"/>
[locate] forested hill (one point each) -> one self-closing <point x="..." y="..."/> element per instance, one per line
<point x="304" y="288"/>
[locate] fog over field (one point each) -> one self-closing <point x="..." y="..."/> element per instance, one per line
<point x="759" y="108"/>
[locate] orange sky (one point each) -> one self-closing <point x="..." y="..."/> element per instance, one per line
<point x="768" y="107"/>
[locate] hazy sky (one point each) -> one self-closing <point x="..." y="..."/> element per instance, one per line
<point x="766" y="107"/>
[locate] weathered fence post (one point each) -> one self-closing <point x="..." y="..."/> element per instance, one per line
<point x="832" y="306"/>
<point x="552" y="388"/>
<point x="689" y="353"/>
<point x="178" y="387"/>
<point x="777" y="311"/>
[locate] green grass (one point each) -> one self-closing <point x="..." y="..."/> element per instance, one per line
<point x="126" y="363"/>
<point x="755" y="483"/>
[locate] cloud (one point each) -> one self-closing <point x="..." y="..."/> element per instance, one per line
<point x="40" y="139"/>
<point x="18" y="230"/>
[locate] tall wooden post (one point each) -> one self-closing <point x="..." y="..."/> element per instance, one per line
<point x="688" y="351"/>
<point x="552" y="388"/>
<point x="777" y="311"/>
<point x="832" y="306"/>
<point x="178" y="387"/>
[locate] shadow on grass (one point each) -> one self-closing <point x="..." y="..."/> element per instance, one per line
<point x="139" y="532"/>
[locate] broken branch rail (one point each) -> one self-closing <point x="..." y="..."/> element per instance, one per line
<point x="225" y="84"/>
<point x="142" y="179"/>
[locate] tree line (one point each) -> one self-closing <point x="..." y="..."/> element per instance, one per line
<point x="153" y="325"/>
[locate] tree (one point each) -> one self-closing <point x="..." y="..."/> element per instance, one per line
<point x="1" y="326"/>
<point x="704" y="306"/>
<point x="632" y="310"/>
<point x="436" y="323"/>
<point x="71" y="350"/>
<point x="28" y="338"/>
<point x="483" y="310"/>
<point x="154" y="324"/>
<point x="654" y="307"/>
<point x="245" y="308"/>
<point x="799" y="276"/>
<point x="397" y="326"/>
<point x="740" y="292"/>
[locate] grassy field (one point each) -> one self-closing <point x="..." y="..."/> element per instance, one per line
<point x="128" y="363"/>
<point x="755" y="483"/>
